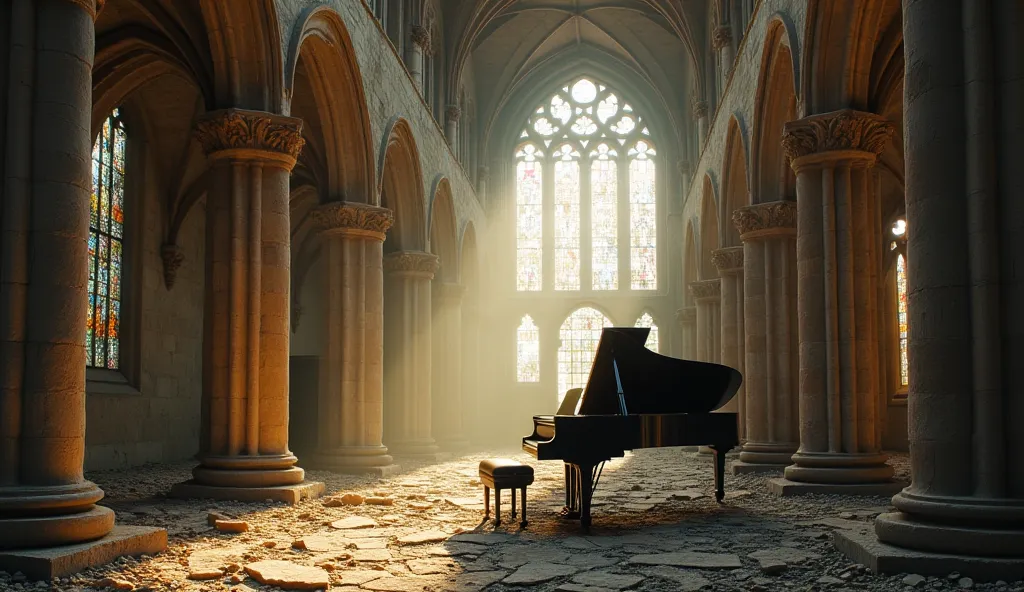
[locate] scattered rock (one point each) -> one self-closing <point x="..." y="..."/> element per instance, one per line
<point x="212" y="516"/>
<point x="115" y="583"/>
<point x="422" y="567"/>
<point x="353" y="522"/>
<point x="231" y="525"/>
<point x="380" y="501"/>
<point x="348" y="499"/>
<point x="689" y="559"/>
<point x="570" y="587"/>
<point x="269" y="544"/>
<point x="965" y="583"/>
<point x="954" y="575"/>
<point x="287" y="575"/>
<point x="772" y="567"/>
<point x="421" y="506"/>
<point x="235" y="579"/>
<point x="205" y="573"/>
<point x="535" y="573"/>
<point x="358" y="577"/>
<point x="914" y="580"/>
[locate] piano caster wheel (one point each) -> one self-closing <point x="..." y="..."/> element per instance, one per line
<point x="523" y="525"/>
<point x="719" y="496"/>
<point x="567" y="514"/>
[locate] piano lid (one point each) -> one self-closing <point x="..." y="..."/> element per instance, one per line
<point x="651" y="382"/>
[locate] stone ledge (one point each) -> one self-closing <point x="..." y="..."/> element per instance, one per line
<point x="743" y="468"/>
<point x="865" y="548"/>
<point x="289" y="494"/>
<point x="57" y="562"/>
<point x="785" y="488"/>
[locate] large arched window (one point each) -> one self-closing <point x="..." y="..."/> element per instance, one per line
<point x="528" y="351"/>
<point x="646" y="320"/>
<point x="106" y="236"/>
<point x="601" y="197"/>
<point x="899" y="246"/>
<point x="579" y="336"/>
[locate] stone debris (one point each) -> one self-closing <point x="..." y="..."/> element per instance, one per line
<point x="422" y="567"/>
<point x="689" y="559"/>
<point x="536" y="573"/>
<point x="212" y="516"/>
<point x="235" y="526"/>
<point x="353" y="522"/>
<point x="772" y="567"/>
<point x="288" y="575"/>
<point x="787" y="555"/>
<point x="683" y="580"/>
<point x="570" y="587"/>
<point x="380" y="501"/>
<point x="348" y="499"/>
<point x="116" y="584"/>
<point x="205" y="573"/>
<point x="914" y="580"/>
<point x="426" y="536"/>
<point x="607" y="579"/>
<point x="421" y="505"/>
<point x="965" y="583"/>
<point x="358" y="577"/>
<point x="477" y="580"/>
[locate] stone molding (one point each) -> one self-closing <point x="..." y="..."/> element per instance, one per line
<point x="706" y="290"/>
<point x="93" y="7"/>
<point x="453" y="114"/>
<point x="721" y="37"/>
<point x="700" y="109"/>
<point x="420" y="36"/>
<point x="483" y="173"/>
<point x="449" y="292"/>
<point x="250" y="135"/>
<point x="775" y="218"/>
<point x="728" y="260"/>
<point x="172" y="257"/>
<point x="683" y="166"/>
<point x="353" y="219"/>
<point x="841" y="131"/>
<point x="412" y="264"/>
<point x="687" y="315"/>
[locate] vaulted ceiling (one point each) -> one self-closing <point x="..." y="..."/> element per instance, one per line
<point x="507" y="42"/>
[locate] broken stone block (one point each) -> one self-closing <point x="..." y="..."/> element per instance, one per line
<point x="353" y="522"/>
<point x="287" y="575"/>
<point x="231" y="525"/>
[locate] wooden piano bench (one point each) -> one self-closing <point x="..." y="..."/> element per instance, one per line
<point x="502" y="473"/>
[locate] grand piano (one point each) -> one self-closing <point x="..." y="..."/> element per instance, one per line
<point x="636" y="398"/>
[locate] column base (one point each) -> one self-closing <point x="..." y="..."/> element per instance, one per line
<point x="356" y="460"/>
<point x="957" y="525"/>
<point x="788" y="488"/>
<point x="864" y="547"/>
<point x="418" y="450"/>
<point x="764" y="458"/>
<point x="839" y="468"/>
<point x="745" y="468"/>
<point x="289" y="494"/>
<point x="57" y="562"/>
<point x="50" y="516"/>
<point x="454" y="445"/>
<point x="705" y="451"/>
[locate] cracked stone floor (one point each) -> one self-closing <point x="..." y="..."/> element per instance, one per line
<point x="656" y="528"/>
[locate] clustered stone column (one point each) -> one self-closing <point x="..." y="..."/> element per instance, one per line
<point x="687" y="318"/>
<point x="721" y="41"/>
<point x="700" y="115"/>
<point x="352" y="375"/>
<point x="838" y="254"/>
<point x="419" y="45"/>
<point x="408" y="353"/>
<point x="446" y="381"/>
<point x="768" y="232"/>
<point x="244" y="442"/>
<point x="708" y="324"/>
<point x="729" y="262"/>
<point x="451" y="127"/>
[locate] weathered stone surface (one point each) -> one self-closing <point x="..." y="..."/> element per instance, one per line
<point x="535" y="573"/>
<point x="396" y="584"/>
<point x="422" y="567"/>
<point x="914" y="580"/>
<point x="354" y="522"/>
<point x="380" y="501"/>
<point x="357" y="577"/>
<point x="689" y="559"/>
<point x="683" y="580"/>
<point x="523" y="554"/>
<point x="287" y="575"/>
<point x="787" y="555"/>
<point x="371" y="555"/>
<point x="481" y="538"/>
<point x="571" y="587"/>
<point x="425" y="536"/>
<point x="231" y="525"/>
<point x="607" y="579"/>
<point x="478" y="580"/>
<point x="772" y="567"/>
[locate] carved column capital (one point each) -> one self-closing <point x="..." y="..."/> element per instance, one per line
<point x="353" y="219"/>
<point x="721" y="37"/>
<point x="687" y="315"/>
<point x="449" y="293"/>
<point x="700" y="109"/>
<point x="706" y="290"/>
<point x="453" y="113"/>
<point x="415" y="264"/>
<point x="763" y="220"/>
<point x="172" y="257"/>
<point x="420" y="36"/>
<point x="728" y="260"/>
<point x="844" y="134"/>
<point x="93" y="7"/>
<point x="250" y="135"/>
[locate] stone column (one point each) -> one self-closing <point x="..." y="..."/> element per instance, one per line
<point x="446" y="381"/>
<point x="683" y="166"/>
<point x="729" y="262"/>
<point x="483" y="175"/>
<point x="472" y="396"/>
<point x="768" y="232"/>
<point x="966" y="325"/>
<point x="407" y="351"/>
<point x="721" y="41"/>
<point x="700" y="115"/>
<point x="451" y="127"/>
<point x="352" y="375"/>
<point x="419" y="44"/>
<point x="244" y="442"/>
<point x="708" y="320"/>
<point x="687" y="318"/>
<point x="838" y="256"/>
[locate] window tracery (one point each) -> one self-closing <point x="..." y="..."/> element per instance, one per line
<point x="528" y="351"/>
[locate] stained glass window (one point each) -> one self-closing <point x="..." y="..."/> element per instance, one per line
<point x="528" y="348"/>
<point x="643" y="242"/>
<point x="579" y="336"/>
<point x="646" y="320"/>
<point x="585" y="126"/>
<point x="530" y="206"/>
<point x="106" y="233"/>
<point x="901" y="316"/>
<point x="567" y="218"/>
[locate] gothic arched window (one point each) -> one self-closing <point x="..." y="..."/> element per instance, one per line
<point x="106" y="256"/>
<point x="646" y="320"/>
<point x="899" y="246"/>
<point x="601" y="159"/>
<point x="579" y="335"/>
<point x="528" y="351"/>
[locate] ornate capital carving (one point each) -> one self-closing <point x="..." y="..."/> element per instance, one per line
<point x="172" y="257"/>
<point x="453" y="113"/>
<point x="706" y="290"/>
<point x="687" y="315"/>
<point x="254" y="135"/>
<point x="774" y="218"/>
<point x="412" y="263"/>
<point x="700" y="109"/>
<point x="449" y="293"/>
<point x="353" y="219"/>
<point x="840" y="131"/>
<point x="420" y="36"/>
<point x="728" y="260"/>
<point x="721" y="37"/>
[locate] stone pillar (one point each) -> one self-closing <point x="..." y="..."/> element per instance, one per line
<point x="472" y="395"/>
<point x="683" y="166"/>
<point x="419" y="45"/>
<point x="721" y="41"/>
<point x="482" y="177"/>
<point x="446" y="381"/>
<point x="407" y="351"/>
<point x="768" y="232"/>
<point x="451" y="127"/>
<point x="700" y="115"/>
<point x="687" y="318"/>
<point x="964" y="510"/>
<point x="244" y="442"/>
<point x="352" y="370"/>
<point x="838" y="257"/>
<point x="708" y="320"/>
<point x="729" y="262"/>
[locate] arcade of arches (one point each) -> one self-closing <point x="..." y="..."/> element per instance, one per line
<point x="352" y="235"/>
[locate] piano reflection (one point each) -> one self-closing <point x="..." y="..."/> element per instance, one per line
<point x="635" y="398"/>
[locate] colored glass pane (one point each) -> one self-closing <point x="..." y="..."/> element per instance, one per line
<point x="106" y="251"/>
<point x="901" y="317"/>
<point x="528" y="351"/>
<point x="604" y="230"/>
<point x="646" y="320"/>
<point x="642" y="219"/>
<point x="530" y="206"/>
<point x="567" y="220"/>
<point x="579" y="336"/>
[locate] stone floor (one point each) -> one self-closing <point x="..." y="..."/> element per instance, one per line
<point x="656" y="528"/>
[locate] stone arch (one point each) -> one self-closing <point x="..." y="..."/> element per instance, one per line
<point x="246" y="53"/>
<point x="475" y="399"/>
<point x="691" y="272"/>
<point x="735" y="186"/>
<point x="321" y="60"/>
<point x="709" y="237"/>
<point x="443" y="233"/>
<point x="775" y="104"/>
<point x="401" y="188"/>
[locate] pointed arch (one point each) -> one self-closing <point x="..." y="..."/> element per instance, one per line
<point x="443" y="237"/>
<point x="775" y="104"/>
<point x="579" y="335"/>
<point x="527" y="350"/>
<point x="245" y="43"/>
<point x="709" y="226"/>
<point x="735" y="188"/>
<point x="647" y="319"/>
<point x="321" y="50"/>
<point x="401" y="187"/>
<point x="691" y="272"/>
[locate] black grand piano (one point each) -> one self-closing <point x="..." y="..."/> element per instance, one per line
<point x="636" y="398"/>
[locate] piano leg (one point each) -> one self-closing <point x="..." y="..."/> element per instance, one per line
<point x="487" y="502"/>
<point x="719" y="452"/>
<point x="586" y="489"/>
<point x="571" y="511"/>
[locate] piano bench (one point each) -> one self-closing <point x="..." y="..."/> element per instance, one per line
<point x="502" y="473"/>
